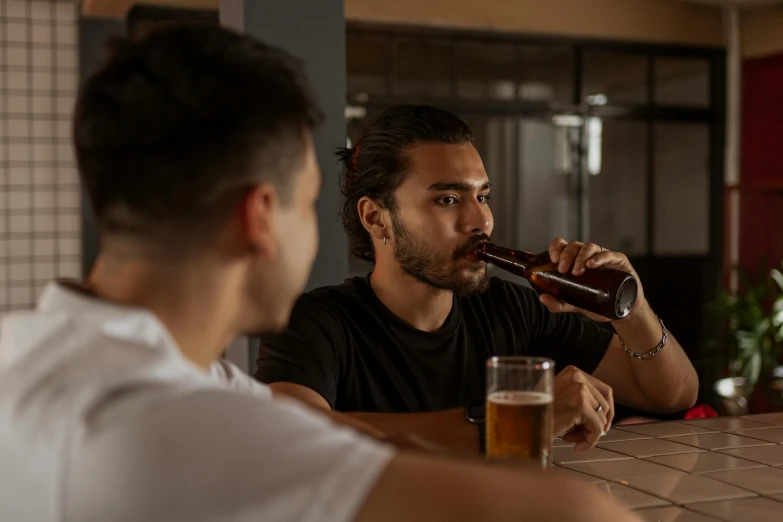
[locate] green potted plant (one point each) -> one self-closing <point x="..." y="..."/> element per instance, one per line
<point x="748" y="343"/>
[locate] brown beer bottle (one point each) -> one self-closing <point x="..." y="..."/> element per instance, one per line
<point x="604" y="291"/>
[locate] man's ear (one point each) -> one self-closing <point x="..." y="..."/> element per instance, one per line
<point x="259" y="217"/>
<point x="372" y="215"/>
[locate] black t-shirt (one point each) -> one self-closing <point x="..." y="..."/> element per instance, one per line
<point x="346" y="345"/>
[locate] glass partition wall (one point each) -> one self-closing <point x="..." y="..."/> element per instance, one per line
<point x="616" y="143"/>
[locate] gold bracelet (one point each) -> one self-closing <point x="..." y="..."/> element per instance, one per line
<point x="651" y="353"/>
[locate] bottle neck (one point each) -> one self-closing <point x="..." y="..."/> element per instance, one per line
<point x="507" y="258"/>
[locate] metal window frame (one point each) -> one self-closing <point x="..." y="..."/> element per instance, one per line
<point x="712" y="115"/>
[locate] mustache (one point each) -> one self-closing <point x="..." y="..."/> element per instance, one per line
<point x="470" y="246"/>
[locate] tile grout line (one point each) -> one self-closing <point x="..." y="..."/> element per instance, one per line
<point x="705" y="450"/>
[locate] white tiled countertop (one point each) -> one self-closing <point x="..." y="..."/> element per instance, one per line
<point x="727" y="469"/>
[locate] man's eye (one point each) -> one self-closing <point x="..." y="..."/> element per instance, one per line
<point x="484" y="198"/>
<point x="447" y="200"/>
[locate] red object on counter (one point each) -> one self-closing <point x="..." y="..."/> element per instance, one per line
<point x="700" y="412"/>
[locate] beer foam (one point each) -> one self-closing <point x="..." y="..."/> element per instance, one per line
<point x="520" y="398"/>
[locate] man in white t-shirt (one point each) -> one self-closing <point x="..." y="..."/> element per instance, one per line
<point x="194" y="146"/>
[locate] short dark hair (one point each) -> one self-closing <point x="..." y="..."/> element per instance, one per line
<point x="377" y="164"/>
<point x="177" y="126"/>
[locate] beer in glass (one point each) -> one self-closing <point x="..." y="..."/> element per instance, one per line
<point x="519" y="415"/>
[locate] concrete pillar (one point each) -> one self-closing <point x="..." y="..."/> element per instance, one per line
<point x="314" y="32"/>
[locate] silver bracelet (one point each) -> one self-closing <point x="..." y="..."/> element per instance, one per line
<point x="651" y="353"/>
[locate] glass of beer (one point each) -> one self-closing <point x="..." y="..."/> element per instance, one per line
<point x="519" y="416"/>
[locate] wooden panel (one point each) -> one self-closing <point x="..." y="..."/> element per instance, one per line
<point x="119" y="8"/>
<point x="662" y="21"/>
<point x="665" y="21"/>
<point x="761" y="34"/>
<point x="106" y="8"/>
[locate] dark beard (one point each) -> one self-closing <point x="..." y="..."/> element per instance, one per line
<point x="425" y="266"/>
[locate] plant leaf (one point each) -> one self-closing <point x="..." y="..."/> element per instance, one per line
<point x="747" y="344"/>
<point x="777" y="277"/>
<point x="763" y="326"/>
<point x="754" y="369"/>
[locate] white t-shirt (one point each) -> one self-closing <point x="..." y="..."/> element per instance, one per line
<point x="102" y="419"/>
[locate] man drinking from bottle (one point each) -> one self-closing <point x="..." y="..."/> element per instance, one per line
<point x="405" y="347"/>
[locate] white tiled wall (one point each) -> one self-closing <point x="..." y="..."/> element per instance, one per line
<point x="39" y="186"/>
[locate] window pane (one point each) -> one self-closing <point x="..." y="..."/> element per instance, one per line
<point x="682" y="82"/>
<point x="495" y="140"/>
<point x="532" y="186"/>
<point x="618" y="192"/>
<point x="424" y="68"/>
<point x="486" y="71"/>
<point x="621" y="77"/>
<point x="365" y="61"/>
<point x="681" y="217"/>
<point x="547" y="73"/>
<point x="548" y="197"/>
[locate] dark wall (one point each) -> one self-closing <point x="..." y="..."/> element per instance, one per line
<point x="314" y="31"/>
<point x="761" y="181"/>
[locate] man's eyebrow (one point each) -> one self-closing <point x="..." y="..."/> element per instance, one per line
<point x="459" y="185"/>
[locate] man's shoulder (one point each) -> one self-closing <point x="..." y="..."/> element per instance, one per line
<point x="235" y="438"/>
<point x="347" y="296"/>
<point x="349" y="287"/>
<point x="228" y="374"/>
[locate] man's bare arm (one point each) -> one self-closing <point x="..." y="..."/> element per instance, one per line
<point x="664" y="383"/>
<point x="419" y="487"/>
<point x="579" y="396"/>
<point x="446" y="429"/>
